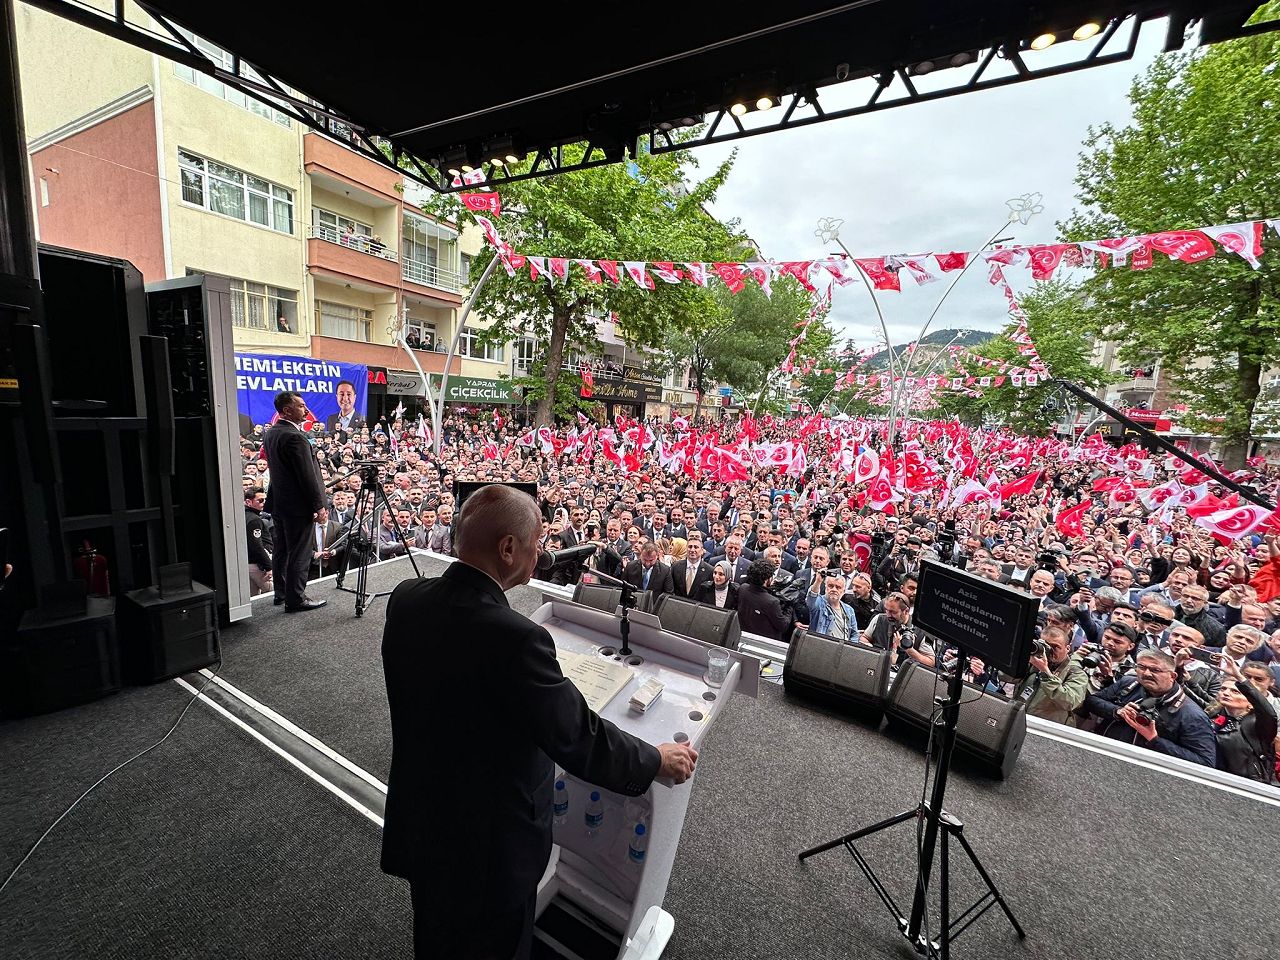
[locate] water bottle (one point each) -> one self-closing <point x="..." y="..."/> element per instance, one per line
<point x="594" y="815"/>
<point x="560" y="805"/>
<point x="639" y="845"/>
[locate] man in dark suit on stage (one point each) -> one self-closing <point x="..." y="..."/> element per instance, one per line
<point x="689" y="574"/>
<point x="295" y="500"/>
<point x="468" y="819"/>
<point x="347" y="418"/>
<point x="647" y="572"/>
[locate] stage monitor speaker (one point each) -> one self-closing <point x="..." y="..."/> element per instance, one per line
<point x="60" y="658"/>
<point x="991" y="730"/>
<point x="699" y="621"/>
<point x="169" y="630"/>
<point x="848" y="677"/>
<point x="601" y="596"/>
<point x="159" y="394"/>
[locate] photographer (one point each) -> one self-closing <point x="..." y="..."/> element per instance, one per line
<point x="1153" y="711"/>
<point x="1112" y="658"/>
<point x="759" y="611"/>
<point x="902" y="560"/>
<point x="1058" y="684"/>
<point x="864" y="600"/>
<point x="1246" y="728"/>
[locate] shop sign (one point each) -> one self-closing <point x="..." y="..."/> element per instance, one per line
<point x="476" y="390"/>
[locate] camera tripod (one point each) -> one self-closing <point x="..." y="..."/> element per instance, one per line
<point x="361" y="535"/>
<point x="935" y="819"/>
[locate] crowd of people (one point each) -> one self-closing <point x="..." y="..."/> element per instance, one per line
<point x="1152" y="629"/>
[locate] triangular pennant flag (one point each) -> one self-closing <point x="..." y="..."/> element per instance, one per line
<point x="636" y="270"/>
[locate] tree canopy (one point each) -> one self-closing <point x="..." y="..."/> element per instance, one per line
<point x="1203" y="148"/>
<point x="649" y="210"/>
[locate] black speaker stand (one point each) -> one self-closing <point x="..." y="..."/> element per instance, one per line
<point x="935" y="819"/>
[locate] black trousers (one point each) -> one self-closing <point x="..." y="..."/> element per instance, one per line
<point x="294" y="544"/>
<point x="444" y="929"/>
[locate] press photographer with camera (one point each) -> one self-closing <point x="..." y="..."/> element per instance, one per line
<point x="1057" y="685"/>
<point x="1152" y="710"/>
<point x="1109" y="659"/>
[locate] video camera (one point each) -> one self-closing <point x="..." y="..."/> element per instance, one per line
<point x="1049" y="560"/>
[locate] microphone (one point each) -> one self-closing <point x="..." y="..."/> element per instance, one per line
<point x="549" y="558"/>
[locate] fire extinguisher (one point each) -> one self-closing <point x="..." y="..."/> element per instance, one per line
<point x="91" y="567"/>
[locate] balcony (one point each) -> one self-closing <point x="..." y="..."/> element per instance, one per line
<point x="378" y="355"/>
<point x="352" y="241"/>
<point x="334" y="166"/>
<point x="430" y="275"/>
<point x="350" y="258"/>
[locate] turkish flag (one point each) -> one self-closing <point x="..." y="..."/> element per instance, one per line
<point x="1234" y="523"/>
<point x="951" y="261"/>
<point x="588" y="384"/>
<point x="482" y="203"/>
<point x="1023" y="485"/>
<point x="1068" y="522"/>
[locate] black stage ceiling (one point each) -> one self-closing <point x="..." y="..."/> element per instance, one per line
<point x="518" y="80"/>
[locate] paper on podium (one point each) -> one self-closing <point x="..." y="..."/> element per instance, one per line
<point x="597" y="678"/>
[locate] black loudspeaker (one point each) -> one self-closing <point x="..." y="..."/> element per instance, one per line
<point x="699" y="621"/>
<point x="58" y="661"/>
<point x="848" y="677"/>
<point x="159" y="393"/>
<point x="991" y="729"/>
<point x="95" y="309"/>
<point x="606" y="598"/>
<point x="169" y="630"/>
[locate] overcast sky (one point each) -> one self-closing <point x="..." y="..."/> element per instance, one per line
<point x="923" y="178"/>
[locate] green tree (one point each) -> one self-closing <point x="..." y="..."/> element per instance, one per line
<point x="742" y="339"/>
<point x="1053" y="310"/>
<point x="646" y="211"/>
<point x="1203" y="148"/>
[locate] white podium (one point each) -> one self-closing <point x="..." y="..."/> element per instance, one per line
<point x="596" y="873"/>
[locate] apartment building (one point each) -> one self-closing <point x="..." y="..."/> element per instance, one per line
<point x="134" y="156"/>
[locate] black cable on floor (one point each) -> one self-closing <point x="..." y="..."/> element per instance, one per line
<point x="65" y="813"/>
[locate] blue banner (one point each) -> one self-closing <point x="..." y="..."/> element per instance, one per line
<point x="336" y="393"/>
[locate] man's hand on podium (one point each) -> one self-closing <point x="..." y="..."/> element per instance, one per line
<point x="678" y="760"/>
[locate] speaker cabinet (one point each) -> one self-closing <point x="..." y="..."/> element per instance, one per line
<point x="58" y="661"/>
<point x="601" y="596"/>
<point x="991" y="730"/>
<point x="95" y="309"/>
<point x="847" y="677"/>
<point x="164" y="635"/>
<point x="699" y="621"/>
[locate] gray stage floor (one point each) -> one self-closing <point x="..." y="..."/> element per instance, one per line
<point x="214" y="847"/>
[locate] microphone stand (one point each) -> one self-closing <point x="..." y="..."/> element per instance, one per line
<point x="628" y="600"/>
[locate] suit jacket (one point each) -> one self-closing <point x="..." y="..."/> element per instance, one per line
<point x="680" y="530"/>
<point x="659" y="577"/>
<point x="739" y="568"/>
<point x="331" y="422"/>
<point x="296" y="489"/>
<point x="679" y="573"/>
<point x="475" y="825"/>
<point x="789" y="562"/>
<point x="332" y="531"/>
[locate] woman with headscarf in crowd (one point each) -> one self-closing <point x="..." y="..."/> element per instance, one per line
<point x="722" y="592"/>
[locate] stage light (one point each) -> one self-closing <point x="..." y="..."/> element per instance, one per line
<point x="512" y="158"/>
<point x="467" y="168"/>
<point x="960" y="59"/>
<point x="923" y="67"/>
<point x="738" y="109"/>
<point x="1087" y="30"/>
<point x="1044" y="41"/>
<point x="454" y="160"/>
<point x="765" y="103"/>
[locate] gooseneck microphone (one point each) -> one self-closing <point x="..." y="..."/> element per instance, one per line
<point x="549" y="558"/>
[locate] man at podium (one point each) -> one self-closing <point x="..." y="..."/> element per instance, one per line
<point x="468" y="815"/>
